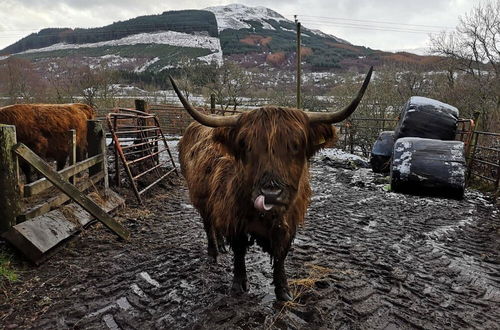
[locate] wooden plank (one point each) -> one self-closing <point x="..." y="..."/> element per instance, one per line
<point x="76" y="195"/>
<point x="60" y="199"/>
<point x="36" y="237"/>
<point x="10" y="201"/>
<point x="42" y="184"/>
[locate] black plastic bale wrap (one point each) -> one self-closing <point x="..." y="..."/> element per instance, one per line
<point x="380" y="157"/>
<point x="427" y="118"/>
<point x="428" y="167"/>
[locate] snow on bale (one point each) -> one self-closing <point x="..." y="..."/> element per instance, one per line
<point x="380" y="157"/>
<point x="427" y="118"/>
<point x="428" y="167"/>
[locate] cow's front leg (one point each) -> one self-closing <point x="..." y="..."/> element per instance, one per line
<point x="280" y="281"/>
<point x="240" y="281"/>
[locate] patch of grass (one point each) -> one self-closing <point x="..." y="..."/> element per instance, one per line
<point x="7" y="272"/>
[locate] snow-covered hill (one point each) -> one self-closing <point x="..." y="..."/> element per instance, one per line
<point x="234" y="16"/>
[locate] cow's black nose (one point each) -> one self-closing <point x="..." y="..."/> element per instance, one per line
<point x="271" y="192"/>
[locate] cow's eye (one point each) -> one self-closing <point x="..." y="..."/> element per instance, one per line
<point x="242" y="145"/>
<point x="294" y="148"/>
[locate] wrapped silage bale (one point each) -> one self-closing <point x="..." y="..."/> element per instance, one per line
<point x="427" y="118"/>
<point x="380" y="156"/>
<point x="428" y="167"/>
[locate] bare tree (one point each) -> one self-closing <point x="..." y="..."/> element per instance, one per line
<point x="229" y="85"/>
<point x="473" y="49"/>
<point x="21" y="82"/>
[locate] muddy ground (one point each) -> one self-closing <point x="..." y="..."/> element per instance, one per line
<point x="365" y="259"/>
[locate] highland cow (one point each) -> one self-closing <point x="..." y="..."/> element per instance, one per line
<point x="248" y="176"/>
<point x="44" y="129"/>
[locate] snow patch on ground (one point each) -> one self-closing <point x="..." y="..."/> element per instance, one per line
<point x="143" y="67"/>
<point x="338" y="154"/>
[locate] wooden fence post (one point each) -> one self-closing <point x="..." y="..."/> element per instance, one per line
<point x="140" y="105"/>
<point x="117" y="162"/>
<point x="72" y="151"/>
<point x="10" y="202"/>
<point x="212" y="103"/>
<point x="96" y="142"/>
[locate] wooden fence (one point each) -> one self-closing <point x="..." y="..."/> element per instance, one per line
<point x="27" y="217"/>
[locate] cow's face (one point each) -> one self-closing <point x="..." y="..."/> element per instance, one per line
<point x="272" y="146"/>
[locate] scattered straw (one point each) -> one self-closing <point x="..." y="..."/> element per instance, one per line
<point x="302" y="285"/>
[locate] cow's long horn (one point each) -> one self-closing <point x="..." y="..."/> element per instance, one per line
<point x="211" y="121"/>
<point x="335" y="117"/>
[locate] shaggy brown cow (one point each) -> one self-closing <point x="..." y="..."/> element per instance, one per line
<point x="248" y="176"/>
<point x="44" y="129"/>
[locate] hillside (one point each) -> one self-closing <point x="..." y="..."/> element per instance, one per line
<point x="252" y="36"/>
<point x="185" y="21"/>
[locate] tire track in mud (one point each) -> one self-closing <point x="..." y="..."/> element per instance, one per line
<point x="386" y="261"/>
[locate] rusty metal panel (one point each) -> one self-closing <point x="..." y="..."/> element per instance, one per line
<point x="138" y="142"/>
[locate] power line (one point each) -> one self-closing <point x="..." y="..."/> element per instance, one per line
<point x="376" y="22"/>
<point x="369" y="27"/>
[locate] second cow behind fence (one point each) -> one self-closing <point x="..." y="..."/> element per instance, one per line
<point x="44" y="129"/>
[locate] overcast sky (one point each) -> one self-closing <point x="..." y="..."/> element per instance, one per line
<point x="379" y="24"/>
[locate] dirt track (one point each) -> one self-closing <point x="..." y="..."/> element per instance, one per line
<point x="366" y="258"/>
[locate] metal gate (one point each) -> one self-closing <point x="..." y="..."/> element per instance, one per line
<point x="140" y="144"/>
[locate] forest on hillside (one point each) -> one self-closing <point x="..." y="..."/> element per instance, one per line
<point x="187" y="21"/>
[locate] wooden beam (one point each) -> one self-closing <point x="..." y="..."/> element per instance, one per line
<point x="10" y="201"/>
<point x="79" y="197"/>
<point x="42" y="184"/>
<point x="60" y="199"/>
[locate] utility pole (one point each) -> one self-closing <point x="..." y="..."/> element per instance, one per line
<point x="299" y="70"/>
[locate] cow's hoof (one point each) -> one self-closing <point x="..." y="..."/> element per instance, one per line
<point x="212" y="255"/>
<point x="212" y="259"/>
<point x="283" y="294"/>
<point x="239" y="286"/>
<point x="222" y="248"/>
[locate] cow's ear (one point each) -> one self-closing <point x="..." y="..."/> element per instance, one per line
<point x="321" y="136"/>
<point x="225" y="136"/>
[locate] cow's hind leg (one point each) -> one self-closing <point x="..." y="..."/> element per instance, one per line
<point x="221" y="245"/>
<point x="60" y="162"/>
<point x="211" y="237"/>
<point x="239" y="245"/>
<point x="26" y="168"/>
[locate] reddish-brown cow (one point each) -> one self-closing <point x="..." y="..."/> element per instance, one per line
<point x="44" y="129"/>
<point x="248" y="176"/>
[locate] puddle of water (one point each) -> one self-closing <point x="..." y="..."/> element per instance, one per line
<point x="145" y="276"/>
<point x="110" y="322"/>
<point x="100" y="311"/>
<point x="135" y="288"/>
<point x="123" y="304"/>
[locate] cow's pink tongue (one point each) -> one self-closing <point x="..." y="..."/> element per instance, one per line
<point x="260" y="204"/>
